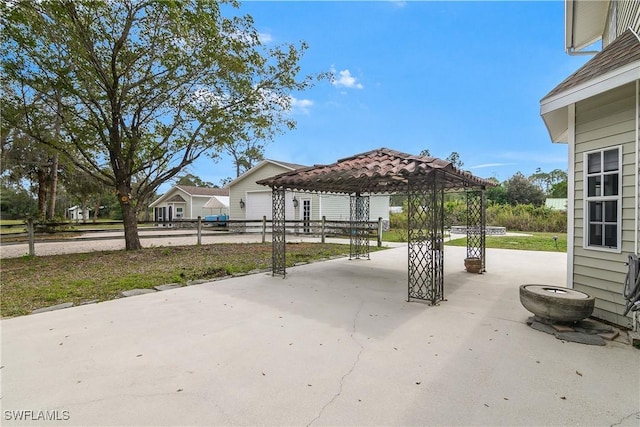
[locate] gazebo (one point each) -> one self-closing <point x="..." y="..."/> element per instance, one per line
<point x="383" y="171"/>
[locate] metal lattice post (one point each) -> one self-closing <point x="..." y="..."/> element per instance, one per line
<point x="425" y="239"/>
<point x="476" y="228"/>
<point x="358" y="227"/>
<point x="278" y="243"/>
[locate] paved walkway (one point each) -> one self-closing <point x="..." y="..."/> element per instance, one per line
<point x="334" y="343"/>
<point x="111" y="241"/>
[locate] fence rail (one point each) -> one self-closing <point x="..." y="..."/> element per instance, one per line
<point x="322" y="228"/>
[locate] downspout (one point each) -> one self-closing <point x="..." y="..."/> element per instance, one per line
<point x="637" y="207"/>
<point x="572" y="52"/>
<point x="569" y="49"/>
<point x="571" y="196"/>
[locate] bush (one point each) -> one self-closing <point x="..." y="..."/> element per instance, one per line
<point x="524" y="217"/>
<point x="527" y="218"/>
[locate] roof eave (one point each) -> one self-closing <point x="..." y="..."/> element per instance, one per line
<point x="585" y="23"/>
<point x="553" y="107"/>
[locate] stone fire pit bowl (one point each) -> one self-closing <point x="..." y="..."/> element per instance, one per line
<point x="556" y="303"/>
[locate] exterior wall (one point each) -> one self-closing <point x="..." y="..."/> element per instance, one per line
<point x="196" y="208"/>
<point x="606" y="120"/>
<point x="622" y="15"/>
<point x="337" y="207"/>
<point x="246" y="183"/>
<point x="169" y="195"/>
<point x="193" y="205"/>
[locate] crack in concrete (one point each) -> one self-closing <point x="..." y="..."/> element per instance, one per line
<point x="353" y="367"/>
<point x="637" y="414"/>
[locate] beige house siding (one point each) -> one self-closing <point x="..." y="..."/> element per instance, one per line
<point x="247" y="183"/>
<point x="336" y="207"/>
<point x="606" y="120"/>
<point x="333" y="207"/>
<point x="622" y="15"/>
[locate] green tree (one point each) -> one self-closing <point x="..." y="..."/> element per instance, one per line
<point x="192" y="180"/>
<point x="245" y="154"/>
<point x="547" y="180"/>
<point x="559" y="190"/>
<point x="497" y="195"/>
<point x="144" y="87"/>
<point x="454" y="158"/>
<point x="522" y="191"/>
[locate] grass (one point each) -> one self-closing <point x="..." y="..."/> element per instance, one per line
<point x="31" y="283"/>
<point x="534" y="242"/>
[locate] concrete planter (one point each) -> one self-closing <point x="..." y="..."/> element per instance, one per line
<point x="556" y="303"/>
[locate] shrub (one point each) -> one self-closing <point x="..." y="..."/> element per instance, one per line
<point x="523" y="217"/>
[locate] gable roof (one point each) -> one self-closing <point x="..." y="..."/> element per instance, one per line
<point x="616" y="65"/>
<point x="203" y="191"/>
<point x="624" y="50"/>
<point x="191" y="191"/>
<point x="377" y="171"/>
<point x="263" y="163"/>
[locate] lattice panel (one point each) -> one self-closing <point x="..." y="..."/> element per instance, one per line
<point x="358" y="227"/>
<point x="476" y="232"/>
<point x="278" y="243"/>
<point x="425" y="235"/>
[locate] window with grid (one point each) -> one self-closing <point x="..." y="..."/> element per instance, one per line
<point x="603" y="200"/>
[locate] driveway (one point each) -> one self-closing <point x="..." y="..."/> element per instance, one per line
<point x="335" y="343"/>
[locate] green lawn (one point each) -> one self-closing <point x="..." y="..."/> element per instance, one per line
<point x="31" y="283"/>
<point x="534" y="241"/>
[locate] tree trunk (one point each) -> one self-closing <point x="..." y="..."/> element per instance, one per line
<point x="83" y="209"/>
<point x="42" y="193"/>
<point x="97" y="209"/>
<point x="53" y="189"/>
<point x="131" y="238"/>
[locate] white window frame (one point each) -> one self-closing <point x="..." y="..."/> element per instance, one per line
<point x="602" y="198"/>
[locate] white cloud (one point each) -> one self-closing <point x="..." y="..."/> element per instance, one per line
<point x="345" y="79"/>
<point x="490" y="165"/>
<point x="301" y="105"/>
<point x="265" y="38"/>
<point x="399" y="3"/>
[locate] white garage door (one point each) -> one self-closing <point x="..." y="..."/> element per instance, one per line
<point x="259" y="205"/>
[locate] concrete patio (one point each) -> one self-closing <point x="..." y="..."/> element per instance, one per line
<point x="335" y="343"/>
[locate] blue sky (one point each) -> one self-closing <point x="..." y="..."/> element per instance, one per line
<point x="447" y="76"/>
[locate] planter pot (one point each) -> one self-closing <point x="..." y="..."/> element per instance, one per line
<point x="473" y="265"/>
<point x="556" y="303"/>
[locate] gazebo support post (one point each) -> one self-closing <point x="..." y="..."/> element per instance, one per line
<point x="358" y="228"/>
<point x="476" y="226"/>
<point x="278" y="242"/>
<point x="425" y="222"/>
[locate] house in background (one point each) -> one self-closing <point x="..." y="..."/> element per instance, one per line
<point x="596" y="111"/>
<point x="76" y="213"/>
<point x="557" y="204"/>
<point x="251" y="201"/>
<point x="188" y="202"/>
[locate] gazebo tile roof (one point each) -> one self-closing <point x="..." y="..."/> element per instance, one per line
<point x="377" y="171"/>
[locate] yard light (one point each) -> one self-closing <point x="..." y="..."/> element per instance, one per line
<point x="241" y="204"/>
<point x="555" y="239"/>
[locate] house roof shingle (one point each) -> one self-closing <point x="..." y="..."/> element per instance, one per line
<point x="288" y="165"/>
<point x="203" y="191"/>
<point x="377" y="171"/>
<point x="624" y="50"/>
